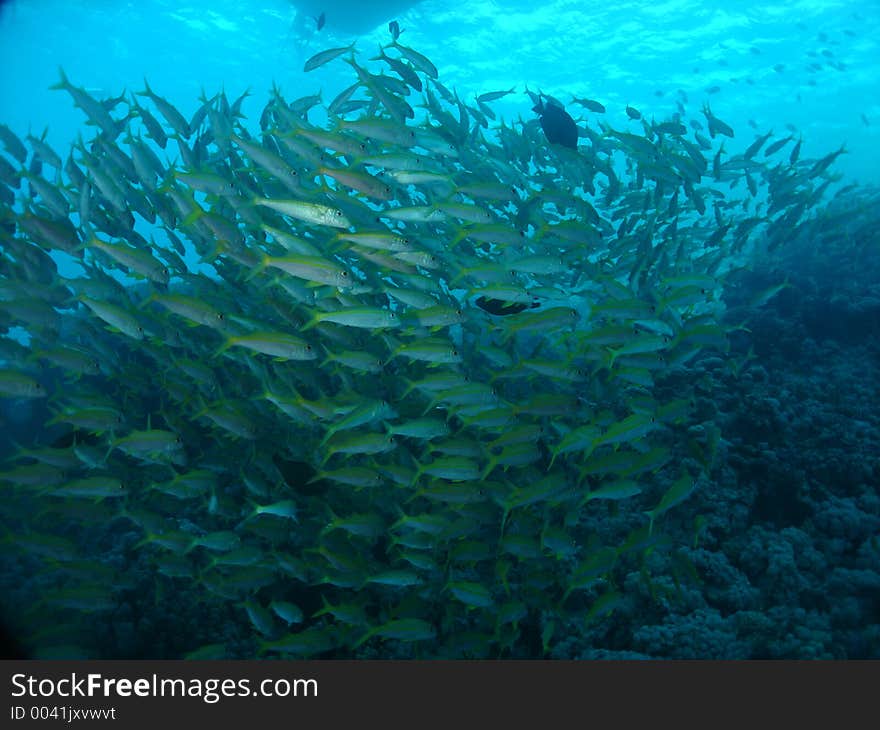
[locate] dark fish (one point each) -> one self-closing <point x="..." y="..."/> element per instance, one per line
<point x="320" y="20"/>
<point x="822" y="165"/>
<point x="409" y="76"/>
<point x="353" y="17"/>
<point x="494" y="95"/>
<point x="558" y="126"/>
<point x="394" y="29"/>
<point x="795" y="153"/>
<point x="716" y="126"/>
<point x="12" y="143"/>
<point x="777" y="145"/>
<point x="322" y="57"/>
<point x="702" y="141"/>
<point x="674" y="128"/>
<point x="482" y="113"/>
<point x="297" y="475"/>
<point x="755" y="146"/>
<point x="501" y="308"/>
<point x="632" y="112"/>
<point x="593" y="106"/>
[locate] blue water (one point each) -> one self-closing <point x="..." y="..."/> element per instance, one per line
<point x="637" y="53"/>
<point x="776" y="554"/>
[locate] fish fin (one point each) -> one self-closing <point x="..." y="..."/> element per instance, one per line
<point x="64" y="83"/>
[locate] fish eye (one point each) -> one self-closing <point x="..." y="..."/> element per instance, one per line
<point x="221" y="316"/>
<point x="344" y="274"/>
<point x="458" y="312"/>
<point x="455" y="353"/>
<point x="393" y="315"/>
<point x="308" y="348"/>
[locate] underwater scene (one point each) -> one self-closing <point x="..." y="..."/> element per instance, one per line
<point x="440" y="330"/>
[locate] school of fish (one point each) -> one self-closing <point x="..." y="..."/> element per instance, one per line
<point x="367" y="380"/>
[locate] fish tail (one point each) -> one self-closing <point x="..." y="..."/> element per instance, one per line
<point x="504" y="516"/>
<point x="415" y="480"/>
<point x="192" y="217"/>
<point x="313" y="322"/>
<point x="149" y="300"/>
<point x="259" y="268"/>
<point x="230" y="341"/>
<point x="64" y="83"/>
<point x="458" y="238"/>
<point x="366" y="637"/>
<point x="109" y="451"/>
<point x="328" y="434"/>
<point x="325" y="608"/>
<point x="610" y="357"/>
<point x="410" y="385"/>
